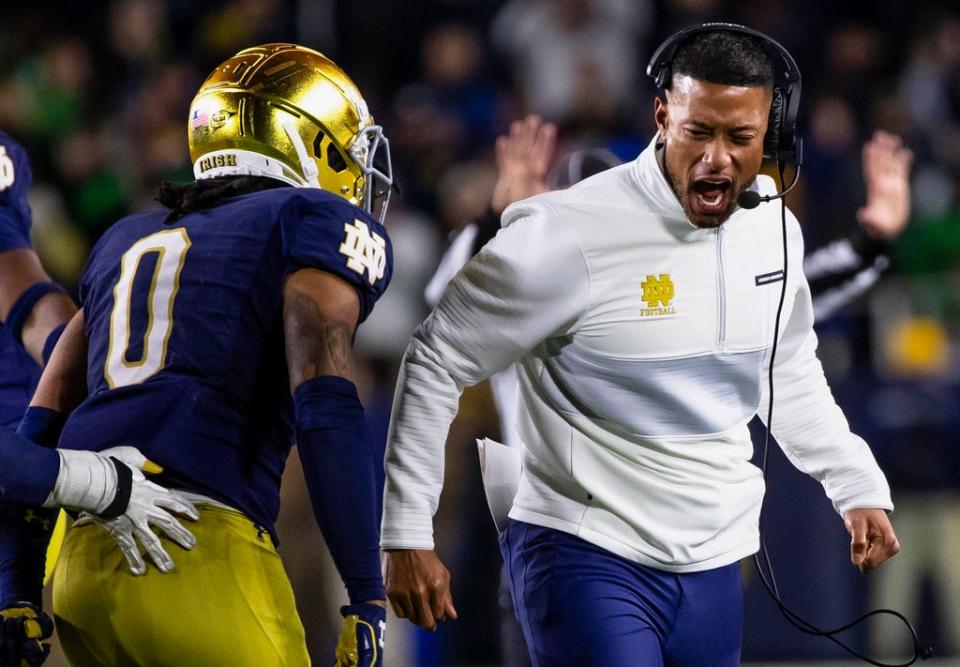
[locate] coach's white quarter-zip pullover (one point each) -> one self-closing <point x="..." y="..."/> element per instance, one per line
<point x="642" y="344"/>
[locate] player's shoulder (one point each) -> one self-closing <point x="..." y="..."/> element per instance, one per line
<point x="16" y="174"/>
<point x="15" y="178"/>
<point x="310" y="214"/>
<point x="136" y="224"/>
<point x="323" y="231"/>
<point x="314" y="205"/>
<point x="103" y="258"/>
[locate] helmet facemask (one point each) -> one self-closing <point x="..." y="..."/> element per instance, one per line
<point x="371" y="152"/>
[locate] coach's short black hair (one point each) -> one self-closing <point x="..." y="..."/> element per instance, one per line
<point x="727" y="58"/>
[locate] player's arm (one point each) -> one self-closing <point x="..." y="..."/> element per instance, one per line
<point x="31" y="305"/>
<point x="813" y="432"/>
<point x="843" y="270"/>
<point x="528" y="284"/>
<point x="25" y="528"/>
<point x="63" y="384"/>
<point x="320" y="315"/>
<point x="32" y="308"/>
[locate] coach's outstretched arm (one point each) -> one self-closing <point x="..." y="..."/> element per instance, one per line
<point x="814" y="434"/>
<point x="320" y="315"/>
<point x="528" y="284"/>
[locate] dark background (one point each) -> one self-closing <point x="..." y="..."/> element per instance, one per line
<point x="99" y="92"/>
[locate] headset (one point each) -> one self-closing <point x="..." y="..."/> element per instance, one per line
<point x="782" y="145"/>
<point x="781" y="142"/>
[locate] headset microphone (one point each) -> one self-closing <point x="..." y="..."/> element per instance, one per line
<point x="752" y="199"/>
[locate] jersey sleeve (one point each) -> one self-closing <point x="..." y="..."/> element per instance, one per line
<point x="339" y="238"/>
<point x="15" y="179"/>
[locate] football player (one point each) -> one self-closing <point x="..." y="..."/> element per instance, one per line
<point x="213" y="331"/>
<point x="33" y="311"/>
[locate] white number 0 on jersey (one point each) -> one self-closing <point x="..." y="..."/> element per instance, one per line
<point x="171" y="248"/>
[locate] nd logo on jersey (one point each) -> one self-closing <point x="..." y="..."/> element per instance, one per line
<point x="657" y="292"/>
<point x="7" y="170"/>
<point x="364" y="251"/>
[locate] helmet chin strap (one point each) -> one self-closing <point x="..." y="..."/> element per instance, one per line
<point x="307" y="165"/>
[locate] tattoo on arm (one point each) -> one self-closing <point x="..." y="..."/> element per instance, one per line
<point x="316" y="342"/>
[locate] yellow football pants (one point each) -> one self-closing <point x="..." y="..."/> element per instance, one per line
<point x="227" y="601"/>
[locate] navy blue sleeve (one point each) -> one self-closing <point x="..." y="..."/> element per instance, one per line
<point x="340" y="470"/>
<point x="322" y="231"/>
<point x="15" y="179"/>
<point x="28" y="472"/>
<point x="25" y="531"/>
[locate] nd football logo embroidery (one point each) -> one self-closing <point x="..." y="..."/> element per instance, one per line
<point x="364" y="251"/>
<point x="657" y="293"/>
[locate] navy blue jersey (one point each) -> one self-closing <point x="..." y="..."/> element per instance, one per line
<point x="18" y="371"/>
<point x="185" y="334"/>
<point x="15" y="179"/>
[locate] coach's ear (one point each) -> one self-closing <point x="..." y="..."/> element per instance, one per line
<point x="660" y="114"/>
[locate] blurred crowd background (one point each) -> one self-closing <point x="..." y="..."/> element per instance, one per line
<point x="99" y="91"/>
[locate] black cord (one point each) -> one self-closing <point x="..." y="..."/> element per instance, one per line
<point x="797" y="621"/>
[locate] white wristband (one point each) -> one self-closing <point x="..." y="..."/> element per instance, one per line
<point x="87" y="481"/>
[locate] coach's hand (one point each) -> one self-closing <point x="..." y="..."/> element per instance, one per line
<point x="872" y="540"/>
<point x="418" y="586"/>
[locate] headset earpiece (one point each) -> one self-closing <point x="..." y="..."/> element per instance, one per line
<point x="771" y="140"/>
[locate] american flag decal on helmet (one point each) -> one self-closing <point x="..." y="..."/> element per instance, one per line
<point x="199" y="118"/>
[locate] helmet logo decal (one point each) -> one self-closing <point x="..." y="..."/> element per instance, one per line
<point x="219" y="119"/>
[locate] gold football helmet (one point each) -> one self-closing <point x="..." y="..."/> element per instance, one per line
<point x="287" y="112"/>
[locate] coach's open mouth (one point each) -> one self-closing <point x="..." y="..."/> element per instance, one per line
<point x="711" y="195"/>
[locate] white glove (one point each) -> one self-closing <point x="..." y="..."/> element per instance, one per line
<point x="89" y="481"/>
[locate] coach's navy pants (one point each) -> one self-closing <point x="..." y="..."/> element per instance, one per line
<point x="582" y="606"/>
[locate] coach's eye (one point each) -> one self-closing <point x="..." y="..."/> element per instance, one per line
<point x="698" y="134"/>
